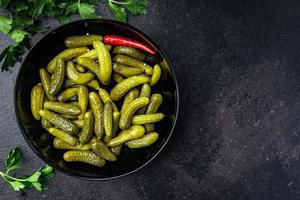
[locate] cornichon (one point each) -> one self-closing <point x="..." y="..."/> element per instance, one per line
<point x="62" y="108"/>
<point x="116" y="149"/>
<point x="79" y="68"/>
<point x="45" y="79"/>
<point x="89" y="64"/>
<point x="92" y="54"/>
<point x="81" y="40"/>
<point x="104" y="95"/>
<point x="117" y="77"/>
<point x="58" y="77"/>
<point x="108" y="118"/>
<point x="87" y="129"/>
<point x="115" y="126"/>
<point x="144" y="141"/>
<point x="126" y="70"/>
<point x="69" y="116"/>
<point x="77" y="77"/>
<point x="154" y="103"/>
<point x="79" y="122"/>
<point x="46" y="124"/>
<point x="68" y="94"/>
<point x="88" y="157"/>
<point x="97" y="107"/>
<point x="134" y="132"/>
<point x="127" y="60"/>
<point x="60" y="144"/>
<point x="147" y="118"/>
<point x="145" y="92"/>
<point x="105" y="63"/>
<point x="37" y="101"/>
<point x="69" y="84"/>
<point x="124" y="86"/>
<point x="67" y="54"/>
<point x="131" y="95"/>
<point x="130" y="51"/>
<point x="130" y="109"/>
<point x="83" y="100"/>
<point x="102" y="150"/>
<point x="60" y="122"/>
<point x="63" y="136"/>
<point x="93" y="84"/>
<point x="156" y="75"/>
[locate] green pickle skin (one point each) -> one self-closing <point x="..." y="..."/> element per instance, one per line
<point x="124" y="86"/>
<point x="77" y="77"/>
<point x="83" y="100"/>
<point x="93" y="84"/>
<point x="134" y="132"/>
<point x="81" y="40"/>
<point x="117" y="77"/>
<point x="79" y="68"/>
<point x="127" y="60"/>
<point x="88" y="157"/>
<point x="105" y="63"/>
<point x="102" y="150"/>
<point x="104" y="95"/>
<point x="147" y="118"/>
<point x="67" y="94"/>
<point x="97" y="107"/>
<point x="63" y="136"/>
<point x="108" y="118"/>
<point x="87" y="129"/>
<point x="126" y="70"/>
<point x="67" y="54"/>
<point x="89" y="64"/>
<point x="131" y="95"/>
<point x="46" y="82"/>
<point x="62" y="108"/>
<point x="37" y="101"/>
<point x="129" y="111"/>
<point x="130" y="51"/>
<point x="116" y="149"/>
<point x="155" y="76"/>
<point x="144" y="141"/>
<point x="145" y="92"/>
<point x="60" y="144"/>
<point x="154" y="103"/>
<point x="58" y="77"/>
<point x="60" y="122"/>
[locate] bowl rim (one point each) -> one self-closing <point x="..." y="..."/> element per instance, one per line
<point x="53" y="164"/>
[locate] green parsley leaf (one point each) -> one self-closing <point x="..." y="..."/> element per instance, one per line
<point x="34" y="177"/>
<point x="10" y="55"/>
<point x="5" y="24"/>
<point x="16" y="185"/>
<point x="118" y="11"/>
<point x="18" y="35"/>
<point x="13" y="160"/>
<point x="21" y="6"/>
<point x="37" y="180"/>
<point x="87" y="11"/>
<point x="136" y="7"/>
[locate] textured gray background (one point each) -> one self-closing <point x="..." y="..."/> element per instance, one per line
<point x="237" y="137"/>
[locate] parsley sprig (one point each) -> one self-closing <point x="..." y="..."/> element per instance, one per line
<point x="37" y="180"/>
<point x="21" y="21"/>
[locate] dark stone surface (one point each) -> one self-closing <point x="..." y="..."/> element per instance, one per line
<point x="237" y="137"/>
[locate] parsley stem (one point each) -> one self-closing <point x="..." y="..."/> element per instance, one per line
<point x="118" y="2"/>
<point x="5" y="176"/>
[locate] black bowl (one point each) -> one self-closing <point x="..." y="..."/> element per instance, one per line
<point x="41" y="142"/>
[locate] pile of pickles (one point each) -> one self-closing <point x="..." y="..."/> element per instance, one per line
<point x="96" y="98"/>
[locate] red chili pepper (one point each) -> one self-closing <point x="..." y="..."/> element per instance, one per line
<point x="122" y="41"/>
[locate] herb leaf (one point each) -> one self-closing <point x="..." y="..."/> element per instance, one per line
<point x="136" y="7"/>
<point x="87" y="11"/>
<point x="38" y="180"/>
<point x="118" y="11"/>
<point x="5" y="24"/>
<point x="13" y="160"/>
